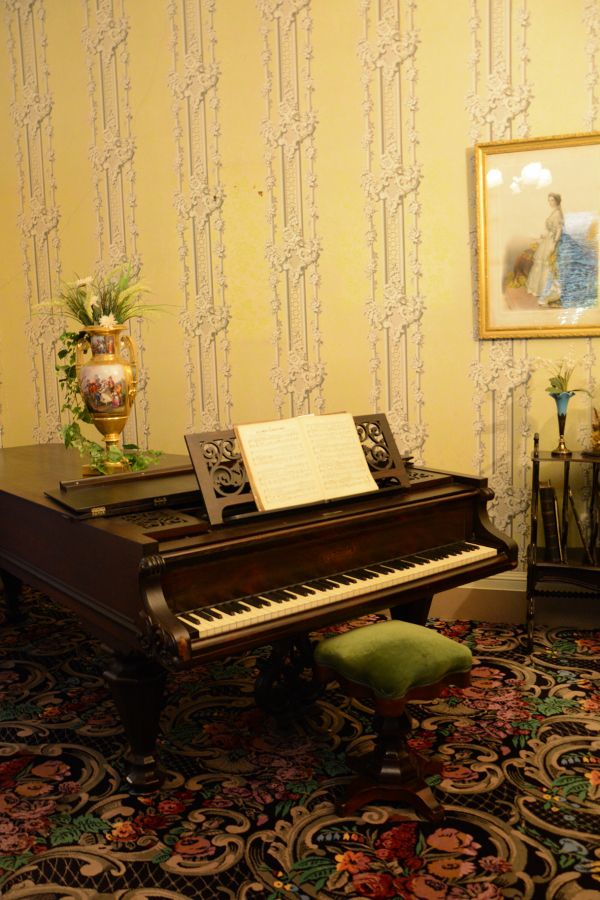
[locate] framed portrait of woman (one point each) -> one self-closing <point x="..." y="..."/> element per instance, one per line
<point x="538" y="215"/>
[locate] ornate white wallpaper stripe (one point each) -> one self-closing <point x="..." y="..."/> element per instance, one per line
<point x="395" y="305"/>
<point x="112" y="152"/>
<point x="294" y="248"/>
<point x="591" y="21"/>
<point x="498" y="108"/>
<point x="39" y="215"/>
<point x="205" y="314"/>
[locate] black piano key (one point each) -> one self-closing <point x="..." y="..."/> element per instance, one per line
<point x="277" y="596"/>
<point x="443" y="552"/>
<point x="415" y="559"/>
<point x="323" y="584"/>
<point x="344" y="579"/>
<point x="232" y="607"/>
<point x="206" y="615"/>
<point x="400" y="564"/>
<point x="358" y="575"/>
<point x="370" y="574"/>
<point x="302" y="590"/>
<point x="257" y="602"/>
<point x="214" y="612"/>
<point x="336" y="580"/>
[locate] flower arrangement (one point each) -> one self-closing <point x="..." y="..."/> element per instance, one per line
<point x="559" y="381"/>
<point x="107" y="301"/>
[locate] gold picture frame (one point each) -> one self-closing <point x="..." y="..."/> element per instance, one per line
<point x="538" y="212"/>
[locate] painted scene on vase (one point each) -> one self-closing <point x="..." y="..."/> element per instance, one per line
<point x="105" y="391"/>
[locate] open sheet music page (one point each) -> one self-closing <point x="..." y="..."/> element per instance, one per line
<point x="290" y="462"/>
<point x="278" y="468"/>
<point x="338" y="455"/>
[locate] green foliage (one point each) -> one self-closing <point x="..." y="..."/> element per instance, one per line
<point x="69" y="831"/>
<point x="572" y="787"/>
<point x="99" y="457"/>
<point x="555" y="706"/>
<point x="13" y="863"/>
<point x="559" y="381"/>
<point x="67" y="379"/>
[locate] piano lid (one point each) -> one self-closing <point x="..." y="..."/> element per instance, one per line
<point x="113" y="495"/>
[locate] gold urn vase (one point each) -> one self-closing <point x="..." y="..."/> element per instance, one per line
<point x="107" y="380"/>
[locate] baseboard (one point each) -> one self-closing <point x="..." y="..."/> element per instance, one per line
<point x="481" y="602"/>
<point x="503" y="581"/>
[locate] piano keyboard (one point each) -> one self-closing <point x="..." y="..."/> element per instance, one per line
<point x="231" y="615"/>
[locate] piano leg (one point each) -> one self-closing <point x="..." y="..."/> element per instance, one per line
<point x="137" y="685"/>
<point x="12" y="596"/>
<point x="415" y="611"/>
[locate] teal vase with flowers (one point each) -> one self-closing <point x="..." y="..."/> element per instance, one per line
<point x="560" y="391"/>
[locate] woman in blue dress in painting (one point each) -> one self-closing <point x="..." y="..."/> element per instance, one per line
<point x="565" y="263"/>
<point x="577" y="262"/>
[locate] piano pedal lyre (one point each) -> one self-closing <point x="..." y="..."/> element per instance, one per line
<point x="286" y="678"/>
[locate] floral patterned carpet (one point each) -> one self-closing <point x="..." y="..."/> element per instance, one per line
<point x="247" y="808"/>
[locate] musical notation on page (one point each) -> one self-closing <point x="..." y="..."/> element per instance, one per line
<point x="303" y="460"/>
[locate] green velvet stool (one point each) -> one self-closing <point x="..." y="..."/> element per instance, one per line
<point x="389" y="664"/>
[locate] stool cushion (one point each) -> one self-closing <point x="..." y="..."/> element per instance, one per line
<point x="390" y="658"/>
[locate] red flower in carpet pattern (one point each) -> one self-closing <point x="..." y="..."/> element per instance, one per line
<point x="400" y="840"/>
<point x="377" y="885"/>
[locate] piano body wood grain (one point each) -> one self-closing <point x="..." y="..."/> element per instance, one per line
<point x="128" y="578"/>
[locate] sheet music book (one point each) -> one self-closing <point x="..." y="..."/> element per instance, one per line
<point x="307" y="459"/>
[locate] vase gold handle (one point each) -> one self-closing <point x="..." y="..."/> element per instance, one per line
<point x="81" y="348"/>
<point x="131" y="352"/>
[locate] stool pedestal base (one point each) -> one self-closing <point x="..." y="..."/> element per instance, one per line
<point x="392" y="773"/>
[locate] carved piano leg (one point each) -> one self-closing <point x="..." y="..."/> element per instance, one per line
<point x="416" y="611"/>
<point x="137" y="685"/>
<point x="12" y="596"/>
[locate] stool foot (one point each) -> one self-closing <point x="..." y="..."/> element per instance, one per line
<point x="416" y="794"/>
<point x="392" y="773"/>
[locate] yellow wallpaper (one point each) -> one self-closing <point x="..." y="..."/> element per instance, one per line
<point x="295" y="179"/>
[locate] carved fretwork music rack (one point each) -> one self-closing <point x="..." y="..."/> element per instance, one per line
<point x="224" y="482"/>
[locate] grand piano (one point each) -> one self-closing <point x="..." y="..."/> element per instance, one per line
<point x="175" y="566"/>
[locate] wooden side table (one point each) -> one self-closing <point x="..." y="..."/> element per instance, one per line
<point x="579" y="567"/>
